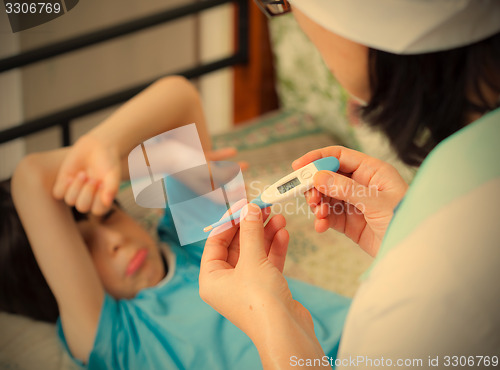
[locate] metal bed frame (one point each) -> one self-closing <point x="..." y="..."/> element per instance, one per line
<point x="63" y="117"/>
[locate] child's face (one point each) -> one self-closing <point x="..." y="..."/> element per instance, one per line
<point x="125" y="256"/>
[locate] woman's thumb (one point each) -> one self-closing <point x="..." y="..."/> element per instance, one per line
<point x="252" y="246"/>
<point x="341" y="187"/>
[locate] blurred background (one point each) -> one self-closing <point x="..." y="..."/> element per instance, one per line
<point x="70" y="79"/>
<point x="269" y="66"/>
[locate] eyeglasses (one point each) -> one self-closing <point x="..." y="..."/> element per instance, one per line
<point x="272" y="8"/>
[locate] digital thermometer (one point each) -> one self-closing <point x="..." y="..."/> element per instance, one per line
<point x="298" y="182"/>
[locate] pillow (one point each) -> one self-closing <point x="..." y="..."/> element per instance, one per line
<point x="29" y="344"/>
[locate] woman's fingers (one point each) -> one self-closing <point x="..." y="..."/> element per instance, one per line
<point x="275" y="224"/>
<point x="321" y="225"/>
<point x="215" y="253"/>
<point x="350" y="160"/>
<point x="224" y="245"/>
<point x="313" y="197"/>
<point x="252" y="247"/>
<point x="340" y="187"/>
<point x="278" y="249"/>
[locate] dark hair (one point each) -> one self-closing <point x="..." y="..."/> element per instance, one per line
<point x="419" y="100"/>
<point x="23" y="289"/>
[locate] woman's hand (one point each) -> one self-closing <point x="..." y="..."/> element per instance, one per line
<point x="241" y="277"/>
<point x="245" y="263"/>
<point x="90" y="175"/>
<point x="359" y="200"/>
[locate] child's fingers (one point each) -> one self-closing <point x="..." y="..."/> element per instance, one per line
<point x="109" y="188"/>
<point x="74" y="189"/>
<point x="243" y="165"/>
<point x="98" y="207"/>
<point x="61" y="186"/>
<point x="220" y="154"/>
<point x="86" y="196"/>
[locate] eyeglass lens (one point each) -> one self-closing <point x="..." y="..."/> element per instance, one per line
<point x="276" y="7"/>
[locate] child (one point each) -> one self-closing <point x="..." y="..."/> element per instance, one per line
<point x="124" y="302"/>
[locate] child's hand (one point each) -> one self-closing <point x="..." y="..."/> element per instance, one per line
<point x="223" y="154"/>
<point x="90" y="176"/>
<point x="359" y="200"/>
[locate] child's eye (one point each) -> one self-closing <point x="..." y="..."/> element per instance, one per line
<point x="108" y="215"/>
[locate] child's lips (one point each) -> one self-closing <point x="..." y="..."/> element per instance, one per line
<point x="137" y="261"/>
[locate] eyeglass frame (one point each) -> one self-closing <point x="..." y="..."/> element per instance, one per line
<point x="261" y="4"/>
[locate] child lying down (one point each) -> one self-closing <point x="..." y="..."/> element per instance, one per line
<point x="125" y="301"/>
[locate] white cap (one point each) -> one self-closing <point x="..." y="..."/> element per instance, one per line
<point x="406" y="26"/>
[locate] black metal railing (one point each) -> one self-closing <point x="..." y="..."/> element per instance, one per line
<point x="62" y="118"/>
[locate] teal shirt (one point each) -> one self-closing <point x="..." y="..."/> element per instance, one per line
<point x="169" y="327"/>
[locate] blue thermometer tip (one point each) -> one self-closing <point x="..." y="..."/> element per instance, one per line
<point x="236" y="214"/>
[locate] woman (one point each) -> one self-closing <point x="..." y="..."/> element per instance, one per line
<point x="429" y="72"/>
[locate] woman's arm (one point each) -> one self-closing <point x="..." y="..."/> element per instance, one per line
<point x="59" y="249"/>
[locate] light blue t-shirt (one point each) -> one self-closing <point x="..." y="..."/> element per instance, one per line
<point x="168" y="326"/>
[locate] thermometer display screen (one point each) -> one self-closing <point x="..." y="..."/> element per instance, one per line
<point x="287" y="186"/>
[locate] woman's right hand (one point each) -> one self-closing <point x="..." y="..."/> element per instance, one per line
<point x="358" y="200"/>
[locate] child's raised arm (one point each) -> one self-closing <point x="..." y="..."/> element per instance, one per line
<point x="168" y="103"/>
<point x="59" y="249"/>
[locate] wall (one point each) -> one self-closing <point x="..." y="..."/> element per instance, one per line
<point x="117" y="64"/>
<point x="10" y="102"/>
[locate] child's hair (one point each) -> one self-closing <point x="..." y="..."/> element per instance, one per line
<point x="23" y="289"/>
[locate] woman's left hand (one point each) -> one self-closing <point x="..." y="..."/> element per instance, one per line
<point x="241" y="276"/>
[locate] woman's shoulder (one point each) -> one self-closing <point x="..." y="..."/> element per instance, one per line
<point x="457" y="167"/>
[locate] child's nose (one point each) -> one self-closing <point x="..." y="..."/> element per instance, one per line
<point x="116" y="241"/>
